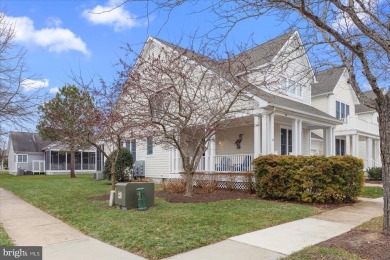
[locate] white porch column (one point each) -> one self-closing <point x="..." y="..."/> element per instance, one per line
<point x="295" y="137"/>
<point x="177" y="155"/>
<point x="324" y="142"/>
<point x="369" y="151"/>
<point x="347" y="145"/>
<point x="272" y="133"/>
<point x="300" y="137"/>
<point x="355" y="145"/>
<point x="212" y="153"/>
<point x="172" y="161"/>
<point x="333" y="142"/>
<point x="207" y="158"/>
<point x="328" y="141"/>
<point x="264" y="134"/>
<point x="256" y="132"/>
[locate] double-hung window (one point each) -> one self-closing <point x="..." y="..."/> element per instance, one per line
<point x="292" y="87"/>
<point x="149" y="145"/>
<point x="342" y="110"/>
<point x="22" y="158"/>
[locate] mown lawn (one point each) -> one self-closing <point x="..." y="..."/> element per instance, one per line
<point x="4" y="239"/>
<point x="164" y="230"/>
<point x="372" y="192"/>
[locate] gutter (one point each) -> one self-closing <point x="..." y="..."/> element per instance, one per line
<point x="335" y="120"/>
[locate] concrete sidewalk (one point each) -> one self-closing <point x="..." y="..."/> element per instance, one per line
<point x="282" y="240"/>
<point x="28" y="226"/>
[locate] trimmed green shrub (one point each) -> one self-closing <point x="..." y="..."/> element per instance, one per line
<point x="335" y="179"/>
<point x="375" y="173"/>
<point x="123" y="165"/>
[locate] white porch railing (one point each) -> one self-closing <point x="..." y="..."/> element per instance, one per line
<point x="354" y="122"/>
<point x="233" y="163"/>
<point x="223" y="163"/>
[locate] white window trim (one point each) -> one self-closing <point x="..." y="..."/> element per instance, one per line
<point x="17" y="157"/>
<point x="341" y="102"/>
<point x="287" y="86"/>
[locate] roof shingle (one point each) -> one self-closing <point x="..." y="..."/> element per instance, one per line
<point x="27" y="142"/>
<point x="327" y="80"/>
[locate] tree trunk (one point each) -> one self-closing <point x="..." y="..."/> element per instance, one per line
<point x="189" y="185"/>
<point x="113" y="180"/>
<point x="72" y="163"/>
<point x="384" y="134"/>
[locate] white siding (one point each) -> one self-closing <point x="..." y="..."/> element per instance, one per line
<point x="156" y="164"/>
<point x="225" y="141"/>
<point x="342" y="92"/>
<point x="293" y="65"/>
<point x="320" y="103"/>
<point x="277" y="138"/>
<point x="11" y="154"/>
<point x="305" y="141"/>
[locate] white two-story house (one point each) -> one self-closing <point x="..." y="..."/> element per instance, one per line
<point x="359" y="133"/>
<point x="281" y="122"/>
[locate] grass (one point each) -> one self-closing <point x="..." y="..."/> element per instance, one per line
<point x="318" y="252"/>
<point x="372" y="192"/>
<point x="4" y="239"/>
<point x="164" y="230"/>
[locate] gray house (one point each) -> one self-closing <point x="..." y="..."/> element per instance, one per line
<point x="28" y="153"/>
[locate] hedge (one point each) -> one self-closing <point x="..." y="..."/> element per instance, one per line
<point x="123" y="164"/>
<point x="375" y="173"/>
<point x="320" y="179"/>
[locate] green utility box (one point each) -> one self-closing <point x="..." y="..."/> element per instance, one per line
<point x="126" y="194"/>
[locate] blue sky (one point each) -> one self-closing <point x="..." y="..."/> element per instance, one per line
<point x="61" y="36"/>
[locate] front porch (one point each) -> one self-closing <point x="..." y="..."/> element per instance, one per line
<point x="57" y="161"/>
<point x="269" y="132"/>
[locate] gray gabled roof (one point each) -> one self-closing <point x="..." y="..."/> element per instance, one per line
<point x="327" y="80"/>
<point x="27" y="142"/>
<point x="263" y="53"/>
<point x="360" y="108"/>
<point x="273" y="100"/>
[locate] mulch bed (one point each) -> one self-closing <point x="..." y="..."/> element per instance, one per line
<point x="366" y="244"/>
<point x="217" y="195"/>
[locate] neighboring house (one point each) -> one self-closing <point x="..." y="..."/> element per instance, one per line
<point x="281" y="121"/>
<point x="359" y="133"/>
<point x="29" y="153"/>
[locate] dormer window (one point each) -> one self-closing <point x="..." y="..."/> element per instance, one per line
<point x="291" y="87"/>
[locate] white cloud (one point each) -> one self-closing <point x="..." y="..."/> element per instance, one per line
<point x="112" y="14"/>
<point x="54" y="22"/>
<point x="54" y="90"/>
<point x="29" y="84"/>
<point x="343" y="22"/>
<point x="54" y="38"/>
